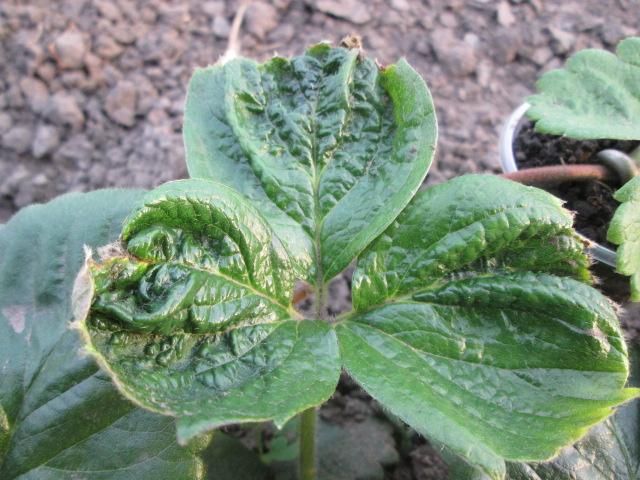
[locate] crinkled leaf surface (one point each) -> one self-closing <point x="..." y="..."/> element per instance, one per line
<point x="595" y="95"/>
<point x="624" y="230"/>
<point x="194" y="319"/>
<point x="472" y="327"/>
<point x="611" y="451"/>
<point x="326" y="145"/>
<point x="62" y="417"/>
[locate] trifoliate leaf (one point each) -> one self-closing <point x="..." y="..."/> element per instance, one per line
<point x="193" y="317"/>
<point x="596" y="95"/>
<point x="327" y="145"/>
<point x="472" y="327"/>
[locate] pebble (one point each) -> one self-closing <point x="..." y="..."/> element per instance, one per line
<point x="220" y="26"/>
<point x="45" y="141"/>
<point x="36" y="94"/>
<point x="505" y="15"/>
<point x="108" y="9"/>
<point x="400" y="5"/>
<point x="457" y="56"/>
<point x="213" y="8"/>
<point x="564" y="41"/>
<point x="120" y="104"/>
<point x="63" y="109"/>
<point x="5" y="122"/>
<point x="69" y="49"/>
<point x="261" y="18"/>
<point x="353" y="11"/>
<point x="106" y="47"/>
<point x="18" y="138"/>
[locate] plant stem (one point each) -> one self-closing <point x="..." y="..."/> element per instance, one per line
<point x="308" y="444"/>
<point x="561" y="173"/>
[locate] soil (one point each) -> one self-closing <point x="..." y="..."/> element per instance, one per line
<point x="92" y="91"/>
<point x="592" y="201"/>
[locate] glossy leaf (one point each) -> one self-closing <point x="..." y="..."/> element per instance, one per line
<point x="194" y="319"/>
<point x="611" y="450"/>
<point x="470" y="328"/>
<point x="328" y="146"/>
<point x="64" y="418"/>
<point x="595" y="95"/>
<point x="624" y="230"/>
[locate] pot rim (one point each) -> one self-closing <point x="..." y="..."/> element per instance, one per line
<point x="508" y="164"/>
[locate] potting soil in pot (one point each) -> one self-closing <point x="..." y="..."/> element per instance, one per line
<point x="592" y="201"/>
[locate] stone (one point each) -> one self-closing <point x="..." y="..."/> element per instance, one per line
<point x="123" y="34"/>
<point x="261" y="18"/>
<point x="541" y="55"/>
<point x="45" y="141"/>
<point x="5" y="122"/>
<point x="611" y="33"/>
<point x="47" y="71"/>
<point x="400" y="5"/>
<point x="76" y="151"/>
<point x="108" y="9"/>
<point x="563" y="40"/>
<point x="353" y="11"/>
<point x="18" y="139"/>
<point x="505" y="15"/>
<point x="36" y="94"/>
<point x="213" y="8"/>
<point x="69" y="49"/>
<point x="220" y="26"/>
<point x="106" y="47"/>
<point x="120" y="104"/>
<point x="456" y="56"/>
<point x="63" y="109"/>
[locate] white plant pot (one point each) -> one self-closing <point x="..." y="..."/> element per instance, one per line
<point x="509" y="132"/>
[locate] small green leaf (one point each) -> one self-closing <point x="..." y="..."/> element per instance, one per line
<point x="624" y="230"/>
<point x="596" y="95"/>
<point x="62" y="417"/>
<point x="328" y="146"/>
<point x="470" y="328"/>
<point x="194" y="319"/>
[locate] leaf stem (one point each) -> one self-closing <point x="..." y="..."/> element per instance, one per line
<point x="308" y="444"/>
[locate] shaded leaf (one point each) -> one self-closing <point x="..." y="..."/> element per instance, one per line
<point x="64" y="416"/>
<point x="624" y="230"/>
<point x="596" y="95"/>
<point x="326" y="145"/>
<point x="470" y="328"/>
<point x="194" y="319"/>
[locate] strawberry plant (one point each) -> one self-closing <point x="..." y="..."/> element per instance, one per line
<point x="596" y="95"/>
<point x="473" y="320"/>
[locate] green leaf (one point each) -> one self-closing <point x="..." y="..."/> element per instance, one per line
<point x="624" y="230"/>
<point x="470" y="328"/>
<point x="328" y="146"/>
<point x="596" y="95"/>
<point x="194" y="319"/>
<point x="62" y="417"/>
<point x="610" y="451"/>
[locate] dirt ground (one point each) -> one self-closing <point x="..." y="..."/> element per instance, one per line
<point x="92" y="91"/>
